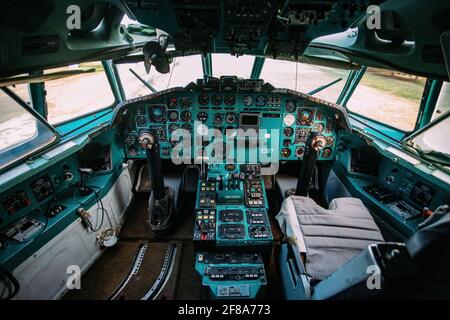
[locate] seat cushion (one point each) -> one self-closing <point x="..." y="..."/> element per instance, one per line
<point x="327" y="238"/>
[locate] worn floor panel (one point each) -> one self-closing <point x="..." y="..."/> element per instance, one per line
<point x="113" y="266"/>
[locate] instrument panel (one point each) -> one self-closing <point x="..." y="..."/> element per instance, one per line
<point x="287" y="119"/>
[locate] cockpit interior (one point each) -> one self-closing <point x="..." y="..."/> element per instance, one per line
<point x="224" y="150"/>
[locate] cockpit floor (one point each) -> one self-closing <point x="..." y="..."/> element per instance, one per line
<point x="100" y="281"/>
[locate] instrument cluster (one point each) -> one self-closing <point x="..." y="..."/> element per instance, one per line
<point x="296" y="118"/>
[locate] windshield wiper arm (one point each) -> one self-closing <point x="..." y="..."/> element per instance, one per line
<point x="324" y="86"/>
<point x="148" y="85"/>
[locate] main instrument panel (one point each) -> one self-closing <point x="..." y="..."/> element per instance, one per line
<point x="284" y="119"/>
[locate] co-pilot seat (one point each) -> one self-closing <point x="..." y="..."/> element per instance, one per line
<point x="339" y="253"/>
<point x="327" y="238"/>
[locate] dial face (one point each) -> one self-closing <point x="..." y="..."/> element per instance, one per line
<point x="290" y="106"/>
<point x="173" y="116"/>
<point x="157" y="114"/>
<point x="185" y="102"/>
<point x="319" y="127"/>
<point x="230" y="100"/>
<point x="289" y="119"/>
<point x="247" y="101"/>
<point x="299" y="152"/>
<point x="330" y="141"/>
<point x="130" y="140"/>
<point x="231" y="118"/>
<point x="218" y="118"/>
<point x="202" y="116"/>
<point x="288" y="131"/>
<point x="326" y="153"/>
<point x="141" y="121"/>
<point x="285" y="153"/>
<point x="216" y="99"/>
<point x="287" y="142"/>
<point x="172" y="102"/>
<point x="261" y="101"/>
<point x="186" y="116"/>
<point x="305" y="117"/>
<point x="202" y="130"/>
<point x="203" y="99"/>
<point x="173" y="127"/>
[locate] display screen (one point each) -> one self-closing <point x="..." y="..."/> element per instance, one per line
<point x="249" y="120"/>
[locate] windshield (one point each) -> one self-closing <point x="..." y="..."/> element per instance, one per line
<point x="183" y="70"/>
<point x="304" y="77"/>
<point x="228" y="65"/>
<point x="21" y="133"/>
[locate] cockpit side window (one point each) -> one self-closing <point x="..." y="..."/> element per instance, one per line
<point x="389" y="97"/>
<point x="71" y="97"/>
<point x="21" y="131"/>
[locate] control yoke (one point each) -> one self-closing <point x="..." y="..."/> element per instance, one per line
<point x="161" y="206"/>
<point x="150" y="144"/>
<point x="315" y="144"/>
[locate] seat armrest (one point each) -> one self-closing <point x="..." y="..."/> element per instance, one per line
<point x="382" y="270"/>
<point x="293" y="274"/>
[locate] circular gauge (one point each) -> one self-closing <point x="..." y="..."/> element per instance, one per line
<point x="186" y="116"/>
<point x="288" y="131"/>
<point x="319" y="127"/>
<point x="130" y="140"/>
<point x="287" y="142"/>
<point x="231" y="118"/>
<point x="141" y="121"/>
<point x="173" y="127"/>
<point x="289" y="119"/>
<point x="216" y="99"/>
<point x="247" y="101"/>
<point x="186" y="127"/>
<point x="173" y="116"/>
<point x="157" y="114"/>
<point x="318" y="142"/>
<point x="229" y="100"/>
<point x="218" y="118"/>
<point x="299" y="152"/>
<point x="261" y="101"/>
<point x="203" y="99"/>
<point x="285" y="152"/>
<point x="330" y="141"/>
<point x="202" y="116"/>
<point x="290" y="106"/>
<point x="185" y="102"/>
<point x="202" y="130"/>
<point x="326" y="153"/>
<point x="305" y="117"/>
<point x="132" y="151"/>
<point x="172" y="102"/>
